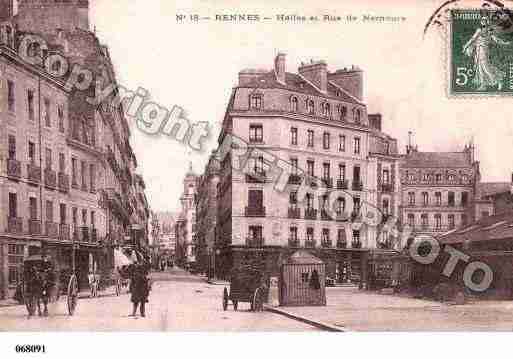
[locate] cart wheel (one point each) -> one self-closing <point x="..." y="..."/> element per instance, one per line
<point x="225" y="298"/>
<point x="72" y="294"/>
<point x="235" y="305"/>
<point x="118" y="287"/>
<point x="257" y="305"/>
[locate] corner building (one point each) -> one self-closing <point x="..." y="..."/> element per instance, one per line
<point x="317" y="123"/>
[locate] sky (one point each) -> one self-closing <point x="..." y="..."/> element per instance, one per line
<point x="195" y="66"/>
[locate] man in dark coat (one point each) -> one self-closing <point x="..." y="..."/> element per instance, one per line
<point x="140" y="289"/>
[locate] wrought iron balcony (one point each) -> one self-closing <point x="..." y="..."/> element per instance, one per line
<point x="385" y="244"/>
<point x="310" y="243"/>
<point x="295" y="179"/>
<point x="357" y="186"/>
<point x="50" y="178"/>
<point x="328" y="182"/>
<point x="342" y="184"/>
<point x="310" y="213"/>
<point x="325" y="216"/>
<point x="64" y="232"/>
<point x="33" y="173"/>
<point x="256" y="177"/>
<point x="386" y="187"/>
<point x="254" y="212"/>
<point x="312" y="182"/>
<point x="326" y="243"/>
<point x="14" y="225"/>
<point x="63" y="182"/>
<point x="341" y="244"/>
<point x="85" y="235"/>
<point x="356" y="215"/>
<point x="341" y="216"/>
<point x="52" y="230"/>
<point x="76" y="233"/>
<point x="356" y="244"/>
<point x="255" y="241"/>
<point x="294" y="213"/>
<point x="13" y="168"/>
<point x="94" y="235"/>
<point x="34" y="227"/>
<point x="294" y="242"/>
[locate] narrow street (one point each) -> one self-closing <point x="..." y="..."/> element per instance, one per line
<point x="178" y="302"/>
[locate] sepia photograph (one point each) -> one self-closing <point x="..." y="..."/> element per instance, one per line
<point x="288" y="167"/>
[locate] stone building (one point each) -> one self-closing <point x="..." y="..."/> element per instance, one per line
<point x="339" y="165"/>
<point x="206" y="212"/>
<point x="439" y="190"/>
<point x="185" y="227"/>
<point x="67" y="170"/>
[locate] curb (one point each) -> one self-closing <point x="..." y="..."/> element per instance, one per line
<point x="318" y="324"/>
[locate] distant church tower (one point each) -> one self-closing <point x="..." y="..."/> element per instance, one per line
<point x="46" y="16"/>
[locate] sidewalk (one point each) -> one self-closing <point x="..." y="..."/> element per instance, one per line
<point x="357" y="310"/>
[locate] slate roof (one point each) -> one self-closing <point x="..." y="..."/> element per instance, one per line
<point x="488" y="228"/>
<point x="437" y="159"/>
<point x="303" y="257"/>
<point x="294" y="82"/>
<point x="493" y="188"/>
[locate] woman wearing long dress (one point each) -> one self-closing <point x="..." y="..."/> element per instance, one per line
<point x="486" y="74"/>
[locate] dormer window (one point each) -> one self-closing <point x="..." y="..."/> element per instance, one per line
<point x="357" y="115"/>
<point x="255" y="102"/>
<point x="310" y="107"/>
<point x="326" y="109"/>
<point x="293" y="104"/>
<point x="339" y="93"/>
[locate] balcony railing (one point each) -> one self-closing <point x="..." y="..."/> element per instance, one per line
<point x="310" y="243"/>
<point x="51" y="230"/>
<point x="356" y="215"/>
<point x="357" y="186"/>
<point x="341" y="216"/>
<point x="50" y="178"/>
<point x="295" y="179"/>
<point x="325" y="215"/>
<point x="94" y="235"/>
<point x="34" y="227"/>
<point x="13" y="168"/>
<point x="385" y="244"/>
<point x="74" y="183"/>
<point x="34" y="173"/>
<point x="294" y="242"/>
<point x="64" y="232"/>
<point x="256" y="177"/>
<point x="294" y="213"/>
<point x="312" y="182"/>
<point x="254" y="212"/>
<point x="63" y="182"/>
<point x="328" y="182"/>
<point x="255" y="242"/>
<point x="356" y="244"/>
<point x="75" y="235"/>
<point x="326" y="244"/>
<point x="310" y="213"/>
<point x="386" y="187"/>
<point x="14" y="225"/>
<point x="342" y="184"/>
<point x="341" y="244"/>
<point x="84" y="234"/>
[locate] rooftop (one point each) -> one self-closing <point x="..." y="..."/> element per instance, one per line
<point x="437" y="160"/>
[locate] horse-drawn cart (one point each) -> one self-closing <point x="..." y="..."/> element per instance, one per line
<point x="40" y="283"/>
<point x="249" y="283"/>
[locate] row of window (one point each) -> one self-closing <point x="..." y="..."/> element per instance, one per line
<point x="451" y="199"/>
<point x="46" y="107"/>
<point x="326" y="170"/>
<point x="49" y="215"/>
<point x="256" y="135"/>
<point x="438" y="223"/>
<point x="88" y="173"/>
<point x="256" y="102"/>
<point x="437" y="177"/>
<point x="255" y="233"/>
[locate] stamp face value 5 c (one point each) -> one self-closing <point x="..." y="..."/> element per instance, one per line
<point x="481" y="52"/>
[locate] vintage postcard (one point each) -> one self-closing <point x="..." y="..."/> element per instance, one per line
<point x="286" y="166"/>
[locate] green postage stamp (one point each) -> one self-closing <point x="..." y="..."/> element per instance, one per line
<point x="481" y="52"/>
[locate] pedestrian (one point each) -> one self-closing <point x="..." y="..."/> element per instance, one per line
<point x="140" y="290"/>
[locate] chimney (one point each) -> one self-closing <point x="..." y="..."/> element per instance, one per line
<point x="316" y="73"/>
<point x="350" y="80"/>
<point x="375" y="121"/>
<point x="279" y="67"/>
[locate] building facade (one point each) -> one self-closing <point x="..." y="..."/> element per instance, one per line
<point x="316" y="123"/>
<point x="206" y="212"/>
<point x="439" y="190"/>
<point x="185" y="227"/>
<point x="67" y="170"/>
